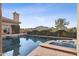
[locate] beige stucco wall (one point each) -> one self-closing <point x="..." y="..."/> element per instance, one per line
<point x="0" y="30"/>
<point x="78" y="29"/>
<point x="8" y="26"/>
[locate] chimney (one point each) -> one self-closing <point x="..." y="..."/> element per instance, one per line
<point x="16" y="17"/>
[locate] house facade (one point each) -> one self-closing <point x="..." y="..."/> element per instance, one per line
<point x="11" y="26"/>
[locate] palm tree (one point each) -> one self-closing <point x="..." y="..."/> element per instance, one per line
<point x="0" y="30"/>
<point x="61" y="25"/>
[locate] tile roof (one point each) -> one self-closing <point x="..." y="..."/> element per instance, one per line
<point x="4" y="19"/>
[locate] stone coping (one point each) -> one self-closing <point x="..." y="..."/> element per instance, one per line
<point x="64" y="38"/>
<point x="13" y="35"/>
<point x="63" y="49"/>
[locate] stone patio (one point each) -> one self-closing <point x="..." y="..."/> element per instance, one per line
<point x="52" y="50"/>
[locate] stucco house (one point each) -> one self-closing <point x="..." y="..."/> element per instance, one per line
<point x="11" y="26"/>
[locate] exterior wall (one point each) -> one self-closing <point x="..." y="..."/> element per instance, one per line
<point x="78" y="29"/>
<point x="15" y="29"/>
<point x="0" y="29"/>
<point x="8" y="27"/>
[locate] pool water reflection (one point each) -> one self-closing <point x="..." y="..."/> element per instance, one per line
<point x="20" y="46"/>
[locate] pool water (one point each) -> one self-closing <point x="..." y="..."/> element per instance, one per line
<point x="69" y="44"/>
<point x="21" y="46"/>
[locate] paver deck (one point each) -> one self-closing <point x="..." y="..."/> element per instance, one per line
<point x="13" y="35"/>
<point x="44" y="50"/>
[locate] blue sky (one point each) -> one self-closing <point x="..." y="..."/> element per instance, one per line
<point x="41" y="14"/>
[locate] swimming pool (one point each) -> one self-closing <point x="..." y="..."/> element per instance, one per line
<point x="22" y="46"/>
<point x="68" y="44"/>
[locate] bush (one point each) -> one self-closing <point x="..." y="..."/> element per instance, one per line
<point x="60" y="33"/>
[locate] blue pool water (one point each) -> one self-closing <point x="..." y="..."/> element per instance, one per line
<point x="69" y="44"/>
<point x="22" y="46"/>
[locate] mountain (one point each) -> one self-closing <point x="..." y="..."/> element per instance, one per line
<point x="39" y="28"/>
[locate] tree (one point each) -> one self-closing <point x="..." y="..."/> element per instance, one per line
<point x="0" y="30"/>
<point x="72" y="32"/>
<point x="61" y="25"/>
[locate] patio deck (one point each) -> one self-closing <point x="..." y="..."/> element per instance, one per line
<point x="13" y="35"/>
<point x="52" y="50"/>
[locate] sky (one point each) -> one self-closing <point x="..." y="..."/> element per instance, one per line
<point x="41" y="14"/>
